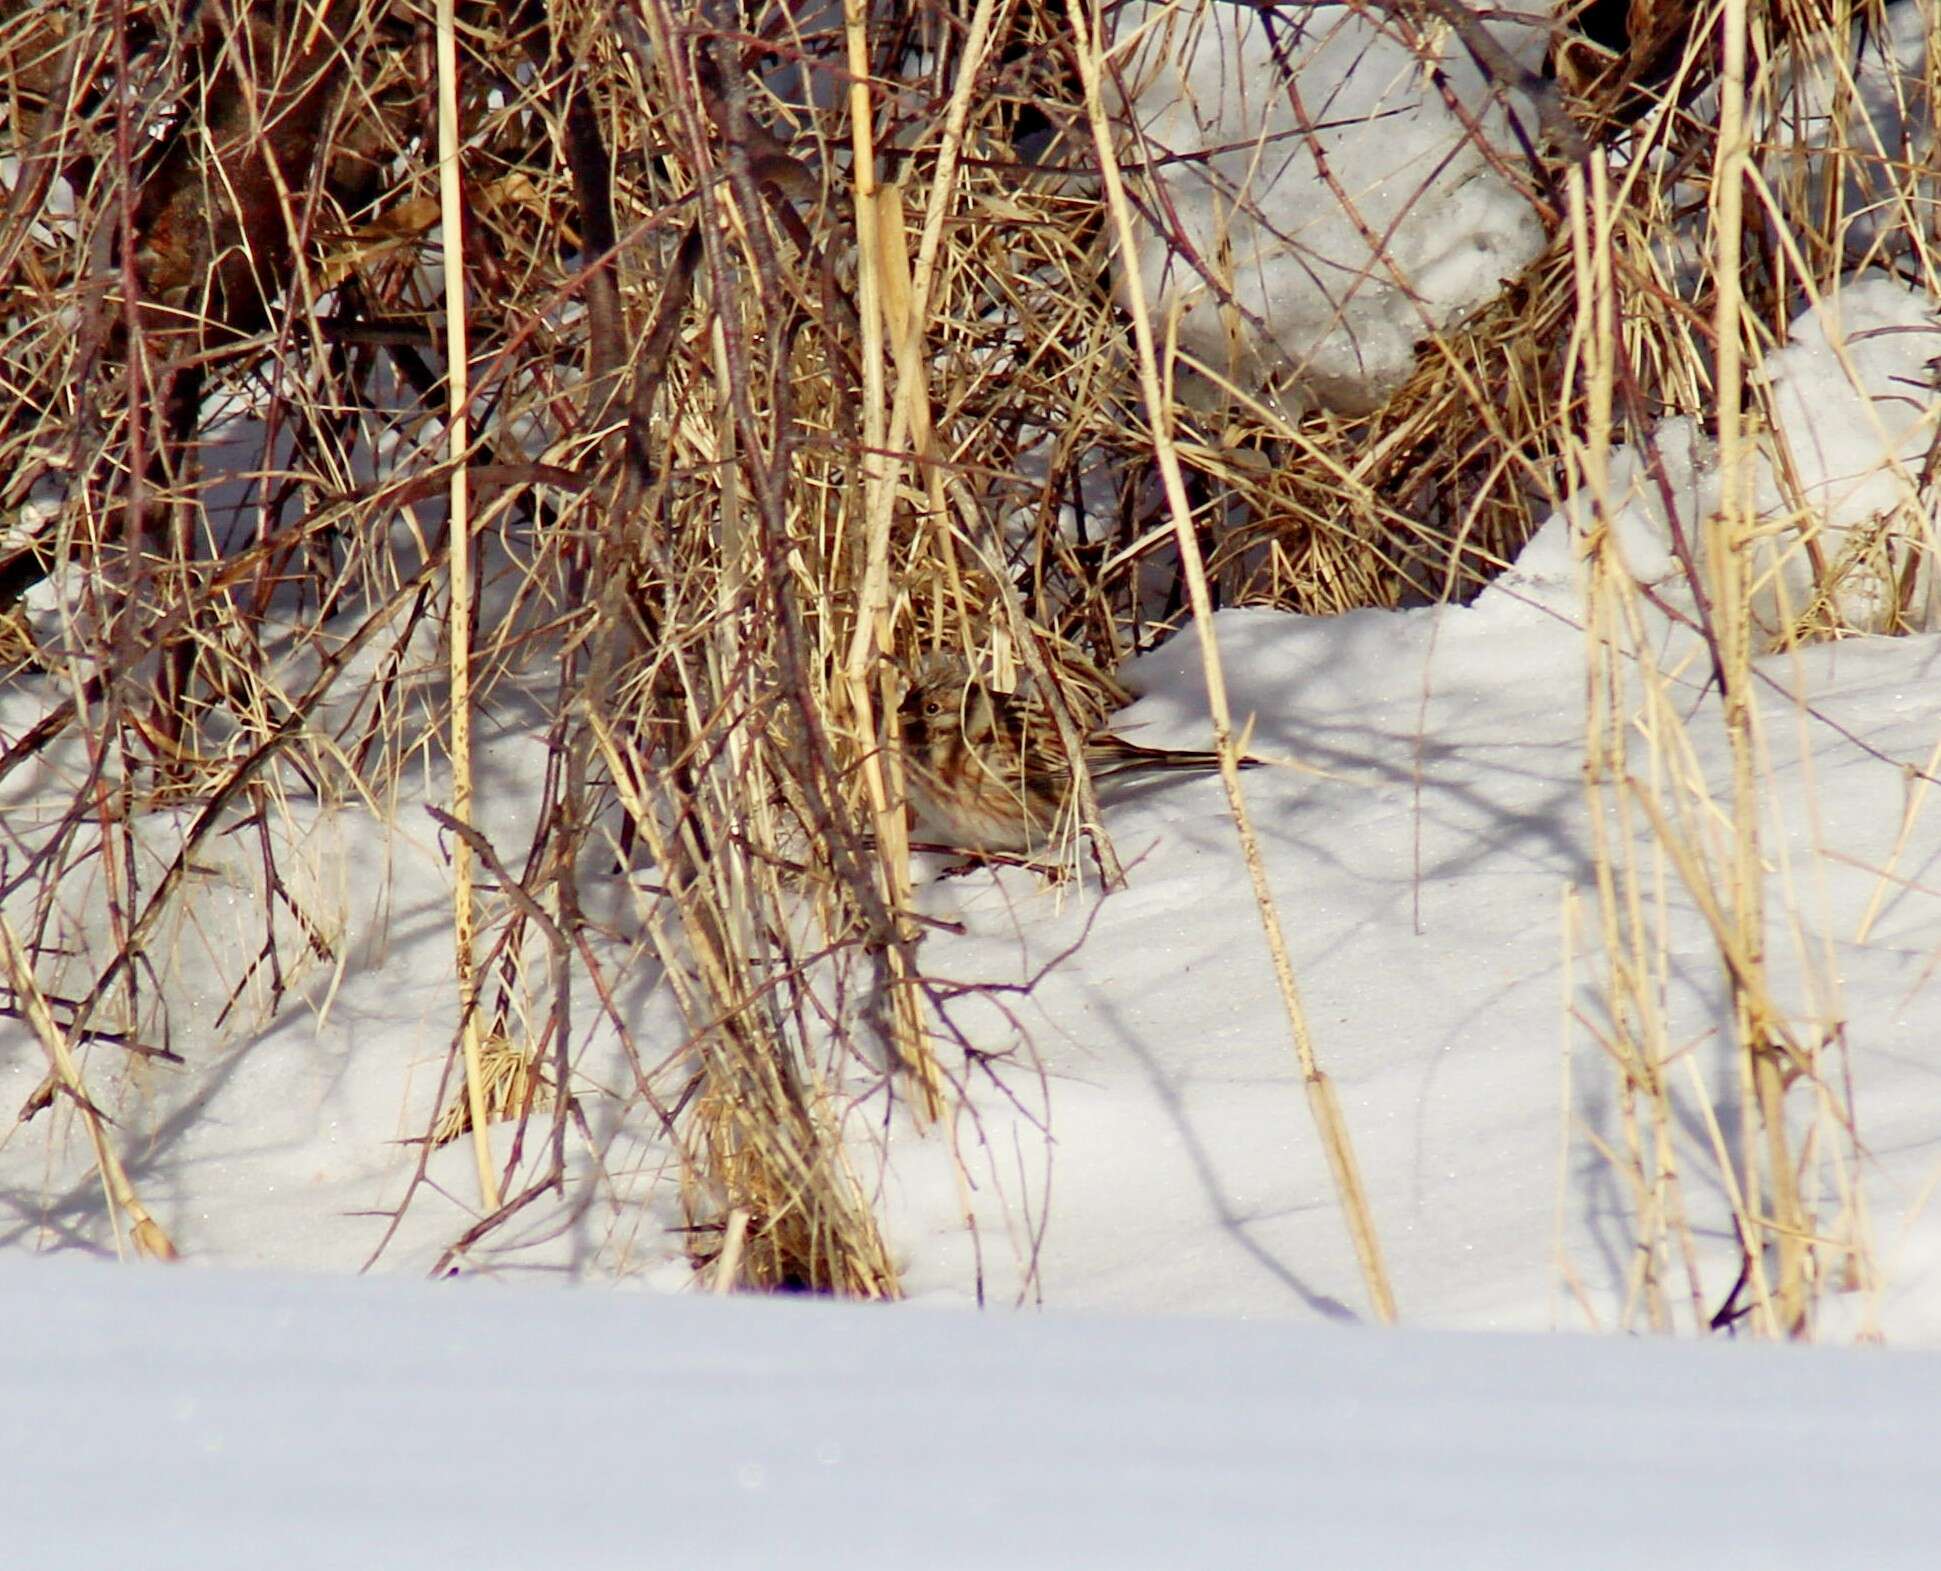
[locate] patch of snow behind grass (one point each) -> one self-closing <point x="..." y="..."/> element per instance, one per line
<point x="1323" y="208"/>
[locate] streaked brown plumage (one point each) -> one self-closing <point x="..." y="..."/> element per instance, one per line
<point x="986" y="770"/>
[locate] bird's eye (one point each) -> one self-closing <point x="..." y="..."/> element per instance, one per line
<point x="933" y="707"/>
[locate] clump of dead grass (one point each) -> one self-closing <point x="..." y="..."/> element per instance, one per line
<point x="786" y="364"/>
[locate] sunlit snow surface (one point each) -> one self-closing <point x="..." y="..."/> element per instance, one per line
<point x="206" y="1421"/>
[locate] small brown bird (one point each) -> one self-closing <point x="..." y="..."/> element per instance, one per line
<point x="986" y="770"/>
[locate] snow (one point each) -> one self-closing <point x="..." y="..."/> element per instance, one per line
<point x="1851" y="413"/>
<point x="1138" y="1141"/>
<point x="211" y="1419"/>
<point x="1426" y="932"/>
<point x="1134" y="1142"/>
<point x="1282" y="154"/>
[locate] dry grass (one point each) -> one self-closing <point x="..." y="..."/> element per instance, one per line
<point x="785" y="365"/>
<point x="1754" y="147"/>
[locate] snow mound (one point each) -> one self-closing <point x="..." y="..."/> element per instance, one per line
<point x="1306" y="256"/>
<point x="1849" y="410"/>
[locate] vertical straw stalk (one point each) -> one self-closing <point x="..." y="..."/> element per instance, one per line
<point x="150" y="1239"/>
<point x="1730" y="537"/>
<point x="1629" y="898"/>
<point x="1323" y="1103"/>
<point x="459" y="604"/>
<point x="884" y="311"/>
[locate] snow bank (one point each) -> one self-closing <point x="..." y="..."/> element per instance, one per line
<point x="245" y="1419"/>
<point x="1850" y="411"/>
